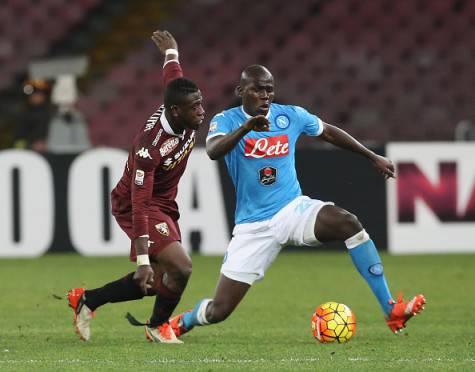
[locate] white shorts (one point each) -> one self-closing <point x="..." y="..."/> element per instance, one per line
<point x="255" y="245"/>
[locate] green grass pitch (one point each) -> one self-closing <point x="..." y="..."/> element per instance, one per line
<point x="270" y="330"/>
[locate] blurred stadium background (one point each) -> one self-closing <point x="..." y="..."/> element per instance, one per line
<point x="385" y="70"/>
<point x="84" y="75"/>
<point x="78" y="78"/>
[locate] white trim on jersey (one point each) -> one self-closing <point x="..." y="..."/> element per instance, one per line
<point x="249" y="116"/>
<point x="320" y="128"/>
<point x="166" y="126"/>
<point x="215" y="135"/>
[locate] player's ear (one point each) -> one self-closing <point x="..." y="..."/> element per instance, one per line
<point x="175" y="110"/>
<point x="238" y="91"/>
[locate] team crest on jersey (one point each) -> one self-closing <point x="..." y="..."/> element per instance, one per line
<point x="213" y="126"/>
<point x="282" y="121"/>
<point x="267" y="175"/>
<point x="168" y="146"/>
<point x="162" y="228"/>
<point x="143" y="153"/>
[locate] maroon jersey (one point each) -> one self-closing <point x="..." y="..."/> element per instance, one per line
<point x="154" y="167"/>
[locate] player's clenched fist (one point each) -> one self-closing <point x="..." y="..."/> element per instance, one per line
<point x="143" y="277"/>
<point x="257" y="123"/>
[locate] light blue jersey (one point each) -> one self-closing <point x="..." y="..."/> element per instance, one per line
<point x="262" y="164"/>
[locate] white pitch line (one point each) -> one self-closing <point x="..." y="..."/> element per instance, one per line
<point x="227" y="361"/>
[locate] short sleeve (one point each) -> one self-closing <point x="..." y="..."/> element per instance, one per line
<point x="219" y="126"/>
<point x="311" y="124"/>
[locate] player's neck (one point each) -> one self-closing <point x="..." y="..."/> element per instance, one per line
<point x="177" y="129"/>
<point x="248" y="114"/>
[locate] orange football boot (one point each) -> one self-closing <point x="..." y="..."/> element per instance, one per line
<point x="177" y="324"/>
<point x="403" y="311"/>
<point x="82" y="314"/>
<point x="163" y="333"/>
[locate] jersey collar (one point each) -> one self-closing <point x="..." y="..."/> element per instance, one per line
<point x="249" y="116"/>
<point x="168" y="129"/>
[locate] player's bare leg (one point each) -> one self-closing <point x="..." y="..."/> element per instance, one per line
<point x="334" y="223"/>
<point x="172" y="268"/>
<point x="228" y="295"/>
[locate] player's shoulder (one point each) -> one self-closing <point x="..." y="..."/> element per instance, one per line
<point x="150" y="137"/>
<point x="232" y="113"/>
<point x="226" y="120"/>
<point x="290" y="109"/>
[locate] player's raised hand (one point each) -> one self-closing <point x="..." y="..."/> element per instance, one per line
<point x="257" y="123"/>
<point x="164" y="40"/>
<point x="384" y="166"/>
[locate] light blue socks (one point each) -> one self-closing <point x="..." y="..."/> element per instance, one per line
<point x="366" y="259"/>
<point x="197" y="316"/>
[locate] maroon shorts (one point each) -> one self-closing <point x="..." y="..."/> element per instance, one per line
<point x="163" y="230"/>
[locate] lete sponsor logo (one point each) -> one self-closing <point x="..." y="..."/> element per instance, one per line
<point x="168" y="146"/>
<point x="270" y="147"/>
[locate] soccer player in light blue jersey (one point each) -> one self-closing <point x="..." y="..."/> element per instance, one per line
<point x="257" y="141"/>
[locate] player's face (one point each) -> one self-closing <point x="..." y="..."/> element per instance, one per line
<point x="257" y="95"/>
<point x="191" y="111"/>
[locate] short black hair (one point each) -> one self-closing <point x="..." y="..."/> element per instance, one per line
<point x="177" y="90"/>
<point x="254" y="72"/>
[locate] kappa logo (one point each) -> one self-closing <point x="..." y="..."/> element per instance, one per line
<point x="168" y="146"/>
<point x="268" y="147"/>
<point x="162" y="228"/>
<point x="143" y="153"/>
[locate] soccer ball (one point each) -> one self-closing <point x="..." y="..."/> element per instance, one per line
<point x="333" y="322"/>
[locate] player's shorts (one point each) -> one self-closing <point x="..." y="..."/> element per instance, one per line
<point x="255" y="245"/>
<point x="163" y="230"/>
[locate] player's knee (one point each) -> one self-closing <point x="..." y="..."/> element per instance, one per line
<point x="185" y="272"/>
<point x="349" y="225"/>
<point x="181" y="274"/>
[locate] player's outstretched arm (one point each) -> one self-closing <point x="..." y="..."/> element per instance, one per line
<point x="218" y="146"/>
<point x="168" y="46"/>
<point x="342" y="139"/>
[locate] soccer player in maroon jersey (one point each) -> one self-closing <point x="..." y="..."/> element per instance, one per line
<point x="143" y="203"/>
